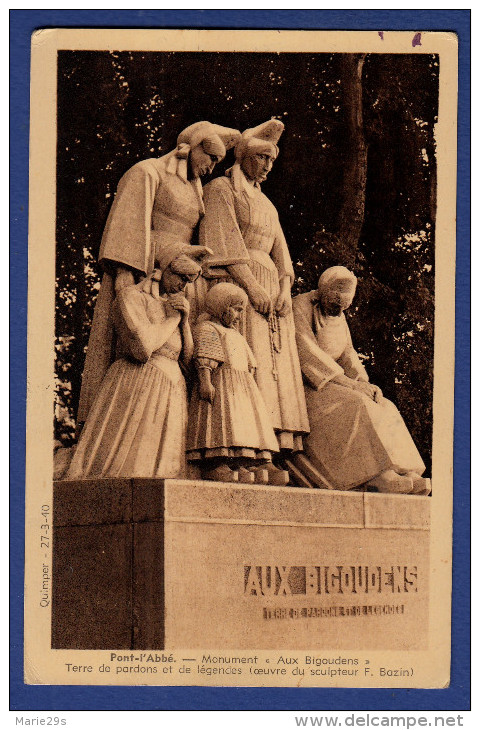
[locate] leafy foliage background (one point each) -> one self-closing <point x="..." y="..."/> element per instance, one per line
<point x="115" y="109"/>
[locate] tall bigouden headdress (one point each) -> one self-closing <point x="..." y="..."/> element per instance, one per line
<point x="261" y="140"/>
<point x="215" y="139"/>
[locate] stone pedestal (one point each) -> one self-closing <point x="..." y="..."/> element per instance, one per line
<point x="176" y="564"/>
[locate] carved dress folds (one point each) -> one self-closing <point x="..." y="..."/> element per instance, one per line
<point x="155" y="204"/>
<point x="242" y="227"/>
<point x="352" y="438"/>
<point x="136" y="425"/>
<point x="237" y="423"/>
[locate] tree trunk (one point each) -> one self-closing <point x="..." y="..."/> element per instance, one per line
<point x="350" y="220"/>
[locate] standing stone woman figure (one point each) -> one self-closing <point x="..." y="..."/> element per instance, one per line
<point x="242" y="228"/>
<point x="158" y="202"/>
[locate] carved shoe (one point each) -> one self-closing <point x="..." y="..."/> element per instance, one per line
<point x="245" y="476"/>
<point x="276" y="477"/>
<point x="421" y="485"/>
<point x="390" y="482"/>
<point x="260" y="474"/>
<point x="221" y="473"/>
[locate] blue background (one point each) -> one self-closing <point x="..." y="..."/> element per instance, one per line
<point x="61" y="698"/>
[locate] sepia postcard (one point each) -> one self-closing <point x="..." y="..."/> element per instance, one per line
<point x="241" y="303"/>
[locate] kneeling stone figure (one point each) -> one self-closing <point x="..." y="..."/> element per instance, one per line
<point x="357" y="436"/>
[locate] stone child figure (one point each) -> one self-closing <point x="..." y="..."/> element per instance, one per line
<point x="136" y="426"/>
<point x="242" y="228"/>
<point x="357" y="436"/>
<point x="229" y="429"/>
<point x="158" y="202"/>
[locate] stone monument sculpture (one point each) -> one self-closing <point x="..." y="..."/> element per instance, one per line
<point x="242" y="228"/>
<point x="229" y="430"/>
<point x="136" y="425"/>
<point x="148" y="549"/>
<point x="357" y="436"/>
<point x="158" y="202"/>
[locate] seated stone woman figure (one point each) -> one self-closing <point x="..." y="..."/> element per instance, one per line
<point x="357" y="436"/>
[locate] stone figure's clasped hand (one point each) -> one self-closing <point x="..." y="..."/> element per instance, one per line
<point x="373" y="391"/>
<point x="260" y="300"/>
<point x="179" y="304"/>
<point x="377" y="393"/>
<point x="283" y="305"/>
<point x="207" y="391"/>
